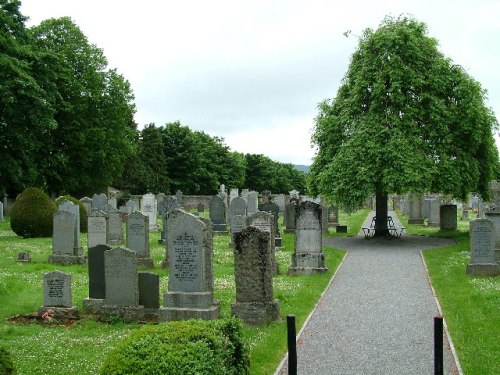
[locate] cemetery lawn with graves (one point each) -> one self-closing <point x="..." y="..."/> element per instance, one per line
<point x="470" y="304"/>
<point x="45" y="346"/>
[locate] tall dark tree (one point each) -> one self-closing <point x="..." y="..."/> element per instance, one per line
<point x="26" y="116"/>
<point x="94" y="111"/>
<point x="404" y="119"/>
<point x="154" y="176"/>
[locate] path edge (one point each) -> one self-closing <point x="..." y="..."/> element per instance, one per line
<point x="285" y="358"/>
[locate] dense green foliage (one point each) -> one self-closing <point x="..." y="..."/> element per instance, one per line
<point x="83" y="211"/>
<point x="31" y="214"/>
<point x="404" y="119"/>
<point x="6" y="365"/>
<point x="186" y="347"/>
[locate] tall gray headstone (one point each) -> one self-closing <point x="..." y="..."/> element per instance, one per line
<point x="415" y="214"/>
<point x="290" y="216"/>
<point x="148" y="208"/>
<point x="448" y="217"/>
<point x="191" y="280"/>
<point x="238" y="208"/>
<point x="252" y="202"/>
<point x="115" y="227"/>
<point x="265" y="222"/>
<point x="97" y="282"/>
<point x="171" y="204"/>
<point x="1" y="211"/>
<point x="66" y="205"/>
<point x="482" y="248"/>
<point x="120" y="272"/>
<point x="273" y="208"/>
<point x="253" y="269"/>
<point x="97" y="228"/>
<point x="138" y="238"/>
<point x="218" y="214"/>
<point x="63" y="240"/>
<point x="308" y="257"/>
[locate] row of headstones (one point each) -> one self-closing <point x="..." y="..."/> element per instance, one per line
<point x="117" y="288"/>
<point x="419" y="209"/>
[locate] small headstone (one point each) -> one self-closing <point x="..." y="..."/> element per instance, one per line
<point x="482" y="249"/>
<point x="115" y="227"/>
<point x="57" y="289"/>
<point x="87" y="203"/>
<point x="138" y="238"/>
<point x="333" y="215"/>
<point x="179" y="196"/>
<point x="465" y="214"/>
<point x="252" y="202"/>
<point x="149" y="290"/>
<point x="148" y="208"/>
<point x="244" y="194"/>
<point x="448" y="217"/>
<point x="273" y="208"/>
<point x="191" y="280"/>
<point x="97" y="228"/>
<point x="112" y="203"/>
<point x="200" y="207"/>
<point x="308" y="257"/>
<point x="218" y="214"/>
<point x="253" y="268"/>
<point x="24" y="257"/>
<point x="99" y="202"/>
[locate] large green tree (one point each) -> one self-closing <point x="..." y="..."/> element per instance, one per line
<point x="405" y="118"/>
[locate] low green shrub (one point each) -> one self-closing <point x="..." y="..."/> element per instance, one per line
<point x="6" y="365"/>
<point x="31" y="214"/>
<point x="185" y="347"/>
<point x="83" y="211"/>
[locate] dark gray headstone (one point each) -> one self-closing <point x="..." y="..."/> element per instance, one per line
<point x="272" y="208"/>
<point x="97" y="281"/>
<point x="218" y="213"/>
<point x="448" y="217"/>
<point x="200" y="207"/>
<point x="149" y="290"/>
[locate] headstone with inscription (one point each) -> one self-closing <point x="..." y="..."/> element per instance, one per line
<point x="97" y="282"/>
<point x="115" y="227"/>
<point x="238" y="223"/>
<point x="122" y="285"/>
<point x="253" y="269"/>
<point x="148" y="208"/>
<point x="238" y="208"/>
<point x="191" y="281"/>
<point x="308" y="257"/>
<point x="57" y="294"/>
<point x="218" y="214"/>
<point x="252" y="202"/>
<point x="99" y="202"/>
<point x="97" y="228"/>
<point x="415" y="214"/>
<point x="448" y="217"/>
<point x="265" y="222"/>
<point x="138" y="238"/>
<point x="64" y="240"/>
<point x="482" y="249"/>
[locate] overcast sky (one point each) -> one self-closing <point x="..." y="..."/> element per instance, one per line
<point x="254" y="71"/>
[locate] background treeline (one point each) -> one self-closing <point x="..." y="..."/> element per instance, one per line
<point x="67" y="125"/>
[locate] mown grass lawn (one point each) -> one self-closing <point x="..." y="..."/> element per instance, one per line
<point x="81" y="348"/>
<point x="470" y="304"/>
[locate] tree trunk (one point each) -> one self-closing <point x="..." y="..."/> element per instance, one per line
<point x="381" y="228"/>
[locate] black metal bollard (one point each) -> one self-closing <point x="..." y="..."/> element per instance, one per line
<point x="292" y="345"/>
<point x="438" y="345"/>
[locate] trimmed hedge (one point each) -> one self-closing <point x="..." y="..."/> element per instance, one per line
<point x="182" y="347"/>
<point x="83" y="211"/>
<point x="32" y="214"/>
<point x="6" y="365"/>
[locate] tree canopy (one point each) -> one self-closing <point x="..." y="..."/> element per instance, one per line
<point x="405" y="118"/>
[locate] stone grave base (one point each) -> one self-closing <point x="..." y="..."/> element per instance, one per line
<point x="115" y="242"/>
<point x="92" y="305"/>
<point x="431" y="224"/>
<point x="189" y="300"/>
<point x="416" y="221"/>
<point x="490" y="269"/>
<point x="145" y="262"/>
<point x="295" y="271"/>
<point x="66" y="259"/>
<point x="153" y="228"/>
<point x="257" y="313"/>
<point x="278" y="242"/>
<point x="289" y="230"/>
<point x="164" y="263"/>
<point x="308" y="260"/>
<point x="167" y="314"/>
<point x="220" y="229"/>
<point x="127" y="313"/>
<point x="59" y="313"/>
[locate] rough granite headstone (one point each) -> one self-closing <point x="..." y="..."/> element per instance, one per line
<point x="218" y="214"/>
<point x="252" y="202"/>
<point x="308" y="257"/>
<point x="253" y="270"/>
<point x="191" y="280"/>
<point x="97" y="231"/>
<point x="482" y="249"/>
<point x="138" y="238"/>
<point x="448" y="217"/>
<point x="148" y="208"/>
<point x="265" y="222"/>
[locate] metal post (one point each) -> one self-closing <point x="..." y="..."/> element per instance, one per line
<point x="292" y="347"/>
<point x="438" y="345"/>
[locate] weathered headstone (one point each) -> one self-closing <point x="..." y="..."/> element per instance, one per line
<point x="415" y="214"/>
<point x="66" y="205"/>
<point x="115" y="227"/>
<point x="57" y="294"/>
<point x="465" y="214"/>
<point x="280" y="201"/>
<point x="237" y="215"/>
<point x="170" y="204"/>
<point x="244" y="194"/>
<point x="426" y="208"/>
<point x="99" y="202"/>
<point x="495" y="218"/>
<point x="24" y="257"/>
<point x="191" y="280"/>
<point x="179" y="196"/>
<point x="252" y="202"/>
<point x="265" y="222"/>
<point x="448" y="217"/>
<point x="218" y="214"/>
<point x="434" y="218"/>
<point x="97" y="228"/>
<point x="238" y="223"/>
<point x="333" y="215"/>
<point x="148" y="208"/>
<point x="138" y="238"/>
<point x="1" y="211"/>
<point x="149" y="290"/>
<point x="233" y="193"/>
<point x="131" y="206"/>
<point x="308" y="257"/>
<point x="253" y="269"/>
<point x="290" y="216"/>
<point x="122" y="285"/>
<point x="112" y="203"/>
<point x="87" y="203"/>
<point x="65" y="243"/>
<point x="482" y="249"/>
<point x="200" y="207"/>
<point x="97" y="282"/>
<point x="273" y="208"/>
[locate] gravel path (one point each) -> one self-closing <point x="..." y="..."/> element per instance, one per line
<point x="376" y="317"/>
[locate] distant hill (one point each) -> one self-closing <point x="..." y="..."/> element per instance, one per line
<point x="303" y="168"/>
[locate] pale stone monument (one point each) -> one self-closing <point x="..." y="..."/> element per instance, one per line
<point x="416" y="213"/>
<point x="149" y="208"/>
<point x="115" y="226"/>
<point x="138" y="238"/>
<point x="98" y="233"/>
<point x="66" y="247"/>
<point x="482" y="249"/>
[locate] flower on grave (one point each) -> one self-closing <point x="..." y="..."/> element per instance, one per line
<point x="48" y="314"/>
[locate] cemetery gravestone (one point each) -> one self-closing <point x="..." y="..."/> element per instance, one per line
<point x="97" y="282"/>
<point x="1" y="211"/>
<point x="233" y="193"/>
<point x="273" y="208"/>
<point x="290" y="216"/>
<point x="191" y="280"/>
<point x="495" y="218"/>
<point x="112" y="203"/>
<point x="252" y="202"/>
<point x="115" y="227"/>
<point x="64" y="250"/>
<point x="75" y="210"/>
<point x="238" y="223"/>
<point x="87" y="204"/>
<point x="253" y="268"/>
<point x="131" y="206"/>
<point x="415" y="213"/>
<point x="426" y="208"/>
<point x="265" y="222"/>
<point x="148" y="208"/>
<point x="24" y="257"/>
<point x="434" y="209"/>
<point x="465" y="214"/>
<point x="149" y="291"/>
<point x="57" y="294"/>
<point x="324" y="219"/>
<point x="308" y="257"/>
<point x="482" y="248"/>
<point x="237" y="216"/>
<point x="218" y="214"/>
<point x="448" y="217"/>
<point x="97" y="228"/>
<point x="200" y="207"/>
<point x="99" y="202"/>
<point x="171" y="204"/>
<point x="121" y="285"/>
<point x="244" y="194"/>
<point x="333" y="215"/>
<point x="179" y="196"/>
<point x="280" y="201"/>
<point x="138" y="238"/>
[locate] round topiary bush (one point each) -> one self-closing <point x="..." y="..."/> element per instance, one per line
<point x="31" y="214"/>
<point x="83" y="211"/>
<point x="6" y="365"/>
<point x="184" y="347"/>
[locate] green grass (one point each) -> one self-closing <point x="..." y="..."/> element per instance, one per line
<point x="354" y="222"/>
<point x="81" y="349"/>
<point x="470" y="304"/>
